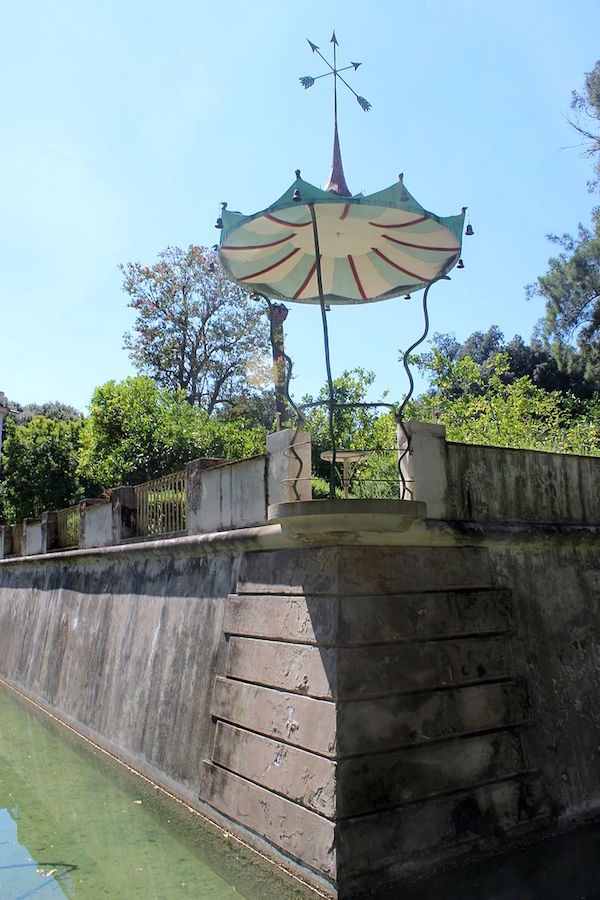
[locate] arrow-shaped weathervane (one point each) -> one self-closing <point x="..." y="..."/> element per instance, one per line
<point x="307" y="81"/>
<point x="337" y="182"/>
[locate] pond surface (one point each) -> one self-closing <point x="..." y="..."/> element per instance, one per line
<point x="74" y="823"/>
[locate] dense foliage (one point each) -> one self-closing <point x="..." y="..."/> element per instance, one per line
<point x="357" y="428"/>
<point x="39" y="467"/>
<point x="135" y="431"/>
<point x="487" y="408"/>
<point x="196" y="330"/>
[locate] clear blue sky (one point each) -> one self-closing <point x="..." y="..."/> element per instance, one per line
<point x="124" y="124"/>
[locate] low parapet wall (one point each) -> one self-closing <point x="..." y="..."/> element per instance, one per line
<point x="499" y="484"/>
<point x="219" y="495"/>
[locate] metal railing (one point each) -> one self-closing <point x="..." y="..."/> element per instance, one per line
<point x="160" y="505"/>
<point x="67" y="526"/>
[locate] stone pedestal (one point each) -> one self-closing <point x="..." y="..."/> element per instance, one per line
<point x="368" y="724"/>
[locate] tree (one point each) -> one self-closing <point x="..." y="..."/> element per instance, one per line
<point x="137" y="431"/>
<point x="571" y="289"/>
<point x="40" y="467"/>
<point x="518" y="413"/>
<point x="196" y="330"/>
<point x="571" y="286"/>
<point x="61" y="412"/>
<point x="587" y="122"/>
<point x="551" y="367"/>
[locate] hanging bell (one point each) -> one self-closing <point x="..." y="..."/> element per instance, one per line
<point x="469" y="230"/>
<point x="296" y="196"/>
<point x="219" y="223"/>
<point x="460" y="264"/>
<point x="407" y="296"/>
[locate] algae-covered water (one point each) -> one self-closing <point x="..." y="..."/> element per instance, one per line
<point x="75" y="823"/>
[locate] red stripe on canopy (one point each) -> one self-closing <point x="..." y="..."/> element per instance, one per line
<point x="288" y="224"/>
<point x="261" y="246"/>
<point x="421" y="246"/>
<point x="269" y="268"/>
<point x="306" y="280"/>
<point x="356" y="278"/>
<point x="402" y="224"/>
<point x="396" y="266"/>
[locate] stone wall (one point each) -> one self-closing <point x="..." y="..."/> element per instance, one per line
<point x="123" y="646"/>
<point x="364" y="689"/>
<point x="499" y="484"/>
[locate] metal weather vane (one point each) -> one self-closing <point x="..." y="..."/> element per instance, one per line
<point x="307" y="81"/>
<point x="337" y="181"/>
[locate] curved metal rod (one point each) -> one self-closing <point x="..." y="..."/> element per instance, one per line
<point x="300" y="420"/>
<point x="401" y="456"/>
<point x="331" y="404"/>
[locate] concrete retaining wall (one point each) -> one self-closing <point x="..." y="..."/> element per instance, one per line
<point x="124" y="647"/>
<point x="499" y="484"/>
<point x="370" y="703"/>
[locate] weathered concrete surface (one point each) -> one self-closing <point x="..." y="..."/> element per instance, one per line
<point x="377" y="710"/>
<point x="289" y="477"/>
<point x="228" y="496"/>
<point x="96" y="525"/>
<point x="296" y="830"/>
<point x="499" y="484"/>
<point x="32" y="537"/>
<point x="302" y="721"/>
<point x="392" y="672"/>
<point x="303" y="777"/>
<point x="353" y="673"/>
<point x="126" y="649"/>
<point x="401" y="617"/>
<point x="556" y="588"/>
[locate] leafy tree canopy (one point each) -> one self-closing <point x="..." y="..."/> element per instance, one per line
<point x="195" y="330"/>
<point x="40" y="467"/>
<point x="61" y="412"/>
<point x="487" y="408"/>
<point x="571" y="285"/>
<point x="138" y="430"/>
<point x="550" y="367"/>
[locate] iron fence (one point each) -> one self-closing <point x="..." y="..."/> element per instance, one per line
<point x="67" y="526"/>
<point x="160" y="505"/>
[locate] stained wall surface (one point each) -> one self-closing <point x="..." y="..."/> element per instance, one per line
<point x="125" y="647"/>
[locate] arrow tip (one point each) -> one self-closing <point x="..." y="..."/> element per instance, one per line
<point x="313" y="47"/>
<point x="334" y="40"/>
<point x="356" y="65"/>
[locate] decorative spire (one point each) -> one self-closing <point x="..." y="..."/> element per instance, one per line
<point x="337" y="181"/>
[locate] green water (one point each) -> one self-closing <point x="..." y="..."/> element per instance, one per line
<point x="73" y="823"/>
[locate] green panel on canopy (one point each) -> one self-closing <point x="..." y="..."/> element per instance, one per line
<point x="372" y="246"/>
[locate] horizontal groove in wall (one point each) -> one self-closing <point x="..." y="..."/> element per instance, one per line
<point x="340" y="701"/>
<point x="434" y="639"/>
<point x="283" y="796"/>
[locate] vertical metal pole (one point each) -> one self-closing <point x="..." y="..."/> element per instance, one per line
<point x="331" y="403"/>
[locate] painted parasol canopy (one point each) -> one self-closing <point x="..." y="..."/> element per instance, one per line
<point x="372" y="247"/>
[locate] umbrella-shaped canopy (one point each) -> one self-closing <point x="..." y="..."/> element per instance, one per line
<point x="371" y="247"/>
